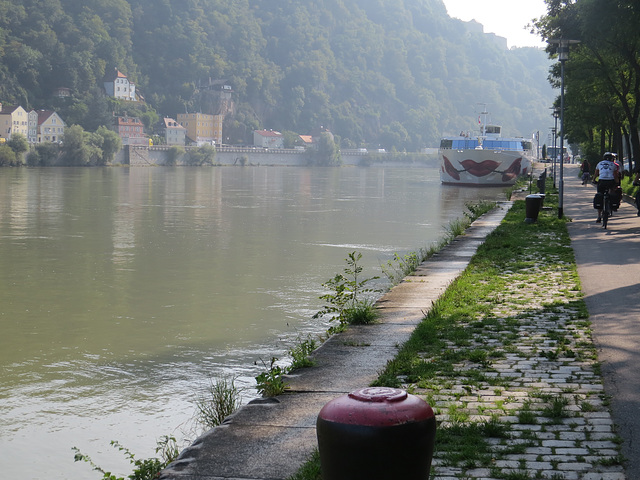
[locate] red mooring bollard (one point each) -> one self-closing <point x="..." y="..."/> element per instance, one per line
<point x="376" y="433"/>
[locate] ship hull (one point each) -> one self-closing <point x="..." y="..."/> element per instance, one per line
<point x="480" y="167"/>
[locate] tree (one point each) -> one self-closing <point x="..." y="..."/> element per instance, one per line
<point x="19" y="144"/>
<point x="328" y="153"/>
<point x="33" y="159"/>
<point x="7" y="156"/>
<point x="43" y="155"/>
<point x="175" y="151"/>
<point x="394" y="136"/>
<point x="111" y="143"/>
<point x="605" y="104"/>
<point x="75" y="151"/>
<point x="291" y="139"/>
<point x="204" y="155"/>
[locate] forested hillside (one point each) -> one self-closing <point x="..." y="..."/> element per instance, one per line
<point x="395" y="73"/>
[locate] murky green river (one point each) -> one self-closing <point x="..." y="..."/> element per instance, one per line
<point x="123" y="291"/>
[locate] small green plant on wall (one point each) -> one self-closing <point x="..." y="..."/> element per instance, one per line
<point x="147" y="469"/>
<point x="270" y="382"/>
<point x="345" y="301"/>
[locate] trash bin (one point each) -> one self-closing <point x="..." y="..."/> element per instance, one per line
<point x="533" y="203"/>
<point x="376" y="433"/>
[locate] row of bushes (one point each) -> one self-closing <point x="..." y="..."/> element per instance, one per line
<point x="80" y="148"/>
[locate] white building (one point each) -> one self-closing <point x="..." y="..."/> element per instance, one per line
<point x="174" y="133"/>
<point x="268" y="139"/>
<point x="117" y="85"/>
<point x="32" y="137"/>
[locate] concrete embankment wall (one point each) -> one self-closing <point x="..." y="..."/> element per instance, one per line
<point x="157" y="156"/>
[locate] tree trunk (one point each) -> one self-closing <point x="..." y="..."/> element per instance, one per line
<point x="635" y="146"/>
<point x="627" y="147"/>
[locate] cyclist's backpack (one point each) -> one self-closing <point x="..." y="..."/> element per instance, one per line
<point x="616" y="198"/>
<point x="597" y="200"/>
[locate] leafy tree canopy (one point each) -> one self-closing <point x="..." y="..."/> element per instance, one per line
<point x="602" y="73"/>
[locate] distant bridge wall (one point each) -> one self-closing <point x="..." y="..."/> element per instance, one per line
<point x="143" y="156"/>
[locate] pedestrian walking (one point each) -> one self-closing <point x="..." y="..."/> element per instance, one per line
<point x="585" y="173"/>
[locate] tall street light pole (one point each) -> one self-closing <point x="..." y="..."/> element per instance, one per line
<point x="556" y="113"/>
<point x="563" y="56"/>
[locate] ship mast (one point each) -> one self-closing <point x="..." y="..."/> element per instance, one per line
<point x="483" y="120"/>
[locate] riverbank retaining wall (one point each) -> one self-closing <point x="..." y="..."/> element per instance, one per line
<point x="137" y="156"/>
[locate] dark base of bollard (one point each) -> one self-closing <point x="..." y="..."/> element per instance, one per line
<point x="356" y="452"/>
<point x="533" y="203"/>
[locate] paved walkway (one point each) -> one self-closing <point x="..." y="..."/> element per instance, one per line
<point x="272" y="438"/>
<point x="609" y="268"/>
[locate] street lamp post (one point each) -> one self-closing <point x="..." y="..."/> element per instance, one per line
<point x="563" y="56"/>
<point x="556" y="114"/>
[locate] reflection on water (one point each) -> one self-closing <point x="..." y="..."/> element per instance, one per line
<point x="122" y="291"/>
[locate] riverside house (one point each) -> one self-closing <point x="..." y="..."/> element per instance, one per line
<point x="37" y="126"/>
<point x="13" y="120"/>
<point x="268" y="139"/>
<point x="130" y="130"/>
<point x="174" y="133"/>
<point x="50" y="127"/>
<point x="202" y="128"/>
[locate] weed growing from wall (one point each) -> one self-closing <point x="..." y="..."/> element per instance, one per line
<point x="147" y="469"/>
<point x="221" y="398"/>
<point x="346" y="292"/>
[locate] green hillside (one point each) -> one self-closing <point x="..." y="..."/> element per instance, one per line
<point x="394" y="73"/>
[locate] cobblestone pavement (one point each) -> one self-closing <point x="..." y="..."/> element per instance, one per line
<point x="540" y="384"/>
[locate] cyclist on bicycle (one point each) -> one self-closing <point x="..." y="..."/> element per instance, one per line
<point x="608" y="176"/>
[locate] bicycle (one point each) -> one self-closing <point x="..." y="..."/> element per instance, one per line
<point x="607" y="210"/>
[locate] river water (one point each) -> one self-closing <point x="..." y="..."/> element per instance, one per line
<point x="124" y="291"/>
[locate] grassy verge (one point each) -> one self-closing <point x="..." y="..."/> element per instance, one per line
<point x="506" y="360"/>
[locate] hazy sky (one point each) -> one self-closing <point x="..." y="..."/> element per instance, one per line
<point x="506" y="18"/>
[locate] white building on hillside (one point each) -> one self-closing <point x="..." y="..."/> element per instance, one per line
<point x="117" y="85"/>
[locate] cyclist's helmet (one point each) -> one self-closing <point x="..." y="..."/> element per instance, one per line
<point x="610" y="156"/>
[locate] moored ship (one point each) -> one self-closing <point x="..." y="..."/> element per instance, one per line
<point x="486" y="159"/>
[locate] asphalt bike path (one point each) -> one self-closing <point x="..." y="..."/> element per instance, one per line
<point x="609" y="268"/>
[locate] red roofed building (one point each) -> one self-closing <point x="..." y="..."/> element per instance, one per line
<point x="50" y="127"/>
<point x="307" y="139"/>
<point x="130" y="130"/>
<point x="117" y="85"/>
